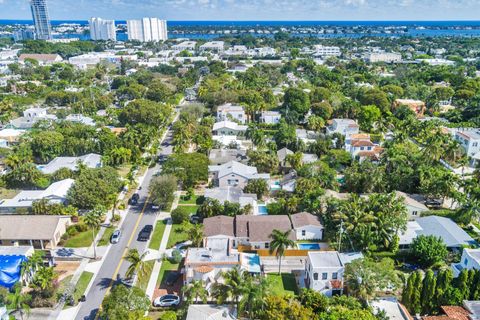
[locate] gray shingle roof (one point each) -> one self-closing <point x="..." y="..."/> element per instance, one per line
<point x="447" y="229"/>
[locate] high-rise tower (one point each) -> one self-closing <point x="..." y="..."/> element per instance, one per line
<point x="41" y="19"/>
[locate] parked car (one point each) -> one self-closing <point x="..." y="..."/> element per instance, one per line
<point x="433" y="203"/>
<point x="195" y="219"/>
<point x="115" y="236"/>
<point x="155" y="207"/>
<point x="168" y="300"/>
<point x="145" y="233"/>
<point x="134" y="199"/>
<point x="172" y="278"/>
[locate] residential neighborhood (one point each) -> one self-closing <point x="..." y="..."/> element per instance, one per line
<point x="238" y="175"/>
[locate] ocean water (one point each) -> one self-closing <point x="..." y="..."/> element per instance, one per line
<point x="413" y="28"/>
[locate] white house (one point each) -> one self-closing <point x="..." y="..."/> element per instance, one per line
<point x="211" y="312"/>
<point x="185" y="45"/>
<point x="234" y="174"/>
<point x="270" y="117"/>
<point x="233" y="195"/>
<point x="217" y="46"/>
<point x="470" y="141"/>
<point x="79" y="118"/>
<point x="55" y="193"/>
<point x="324" y="270"/>
<point x="229" y="112"/>
<point x="90" y="160"/>
<point x="414" y="207"/>
<point x="228" y="128"/>
<point x="307" y="226"/>
<point x="343" y="126"/>
<point x="470" y="260"/>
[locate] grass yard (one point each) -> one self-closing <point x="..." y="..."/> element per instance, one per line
<point x="283" y="284"/>
<point x="80" y="240"/>
<point x="167" y="267"/>
<point x="142" y="281"/>
<point x="8" y="193"/>
<point x="157" y="236"/>
<point x="177" y="235"/>
<point x="124" y="170"/>
<point x="195" y="200"/>
<point x="190" y="209"/>
<point x="82" y="285"/>
<point x="105" y="240"/>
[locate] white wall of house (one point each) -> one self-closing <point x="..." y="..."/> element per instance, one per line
<point x="320" y="278"/>
<point x="309" y="233"/>
<point x="414" y="212"/>
<point x="239" y="116"/>
<point x="232" y="180"/>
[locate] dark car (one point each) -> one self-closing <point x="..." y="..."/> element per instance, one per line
<point x="195" y="219"/>
<point x="172" y="278"/>
<point x="433" y="203"/>
<point x="134" y="199"/>
<point x="145" y="233"/>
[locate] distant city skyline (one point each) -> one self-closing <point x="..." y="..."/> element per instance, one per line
<point x="250" y="9"/>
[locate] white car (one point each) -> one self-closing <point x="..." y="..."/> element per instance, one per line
<point x="168" y="300"/>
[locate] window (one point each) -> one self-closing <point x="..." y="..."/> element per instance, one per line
<point x="315" y="276"/>
<point x="304" y="232"/>
<point x="267" y="245"/>
<point x="334" y="276"/>
<point x="361" y="148"/>
<point x="475" y="144"/>
<point x="414" y="213"/>
<point x="324" y="276"/>
<point x="465" y="262"/>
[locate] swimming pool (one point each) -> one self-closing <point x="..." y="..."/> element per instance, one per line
<point x="262" y="209"/>
<point x="308" y="246"/>
<point x="275" y="186"/>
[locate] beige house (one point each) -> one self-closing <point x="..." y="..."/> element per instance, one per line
<point x="39" y="231"/>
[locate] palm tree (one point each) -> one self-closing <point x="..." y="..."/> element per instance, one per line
<point x="44" y="277"/>
<point x="93" y="220"/>
<point x="137" y="265"/>
<point x="19" y="302"/>
<point x="194" y="291"/>
<point x="280" y="242"/>
<point x="253" y="296"/>
<point x="195" y="234"/>
<point x="232" y="287"/>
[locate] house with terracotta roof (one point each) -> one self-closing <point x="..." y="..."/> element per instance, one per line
<point x="361" y="147"/>
<point x="417" y="106"/>
<point x="451" y="313"/>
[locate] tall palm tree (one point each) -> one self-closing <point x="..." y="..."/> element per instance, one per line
<point x="232" y="287"/>
<point x="280" y="242"/>
<point x="19" y="302"/>
<point x="93" y="219"/>
<point x="194" y="291"/>
<point x="137" y="265"/>
<point x="253" y="296"/>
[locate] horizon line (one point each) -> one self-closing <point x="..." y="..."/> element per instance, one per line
<point x="258" y="20"/>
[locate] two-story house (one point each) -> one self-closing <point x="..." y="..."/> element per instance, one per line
<point x="270" y="117"/>
<point x="470" y="141"/>
<point x="231" y="112"/>
<point x="470" y="260"/>
<point x="324" y="270"/>
<point x="234" y="174"/>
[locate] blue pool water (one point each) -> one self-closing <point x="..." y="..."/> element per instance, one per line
<point x="308" y="246"/>
<point x="262" y="210"/>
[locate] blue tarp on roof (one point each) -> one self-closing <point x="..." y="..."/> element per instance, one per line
<point x="10" y="270"/>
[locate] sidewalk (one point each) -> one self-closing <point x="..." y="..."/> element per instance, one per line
<point x="152" y="282"/>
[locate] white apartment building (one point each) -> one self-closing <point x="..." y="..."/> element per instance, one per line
<point x="147" y="29"/>
<point x="388" y="57"/>
<point x="217" y="46"/>
<point x="327" y="51"/>
<point x="185" y="45"/>
<point x="470" y="141"/>
<point x="102" y="29"/>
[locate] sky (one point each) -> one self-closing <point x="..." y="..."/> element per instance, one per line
<point x="317" y="10"/>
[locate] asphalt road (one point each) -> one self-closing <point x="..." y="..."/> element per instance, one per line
<point x="114" y="267"/>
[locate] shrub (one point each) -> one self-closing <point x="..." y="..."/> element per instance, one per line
<point x="116" y="217"/>
<point x="176" y="257"/>
<point x="169" y="315"/>
<point x="180" y="214"/>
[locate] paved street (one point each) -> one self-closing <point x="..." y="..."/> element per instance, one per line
<point x="114" y="267"/>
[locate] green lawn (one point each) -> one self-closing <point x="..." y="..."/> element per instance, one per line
<point x="8" y="193"/>
<point x="190" y="209"/>
<point x="82" y="285"/>
<point x="282" y="284"/>
<point x="142" y="281"/>
<point x="105" y="240"/>
<point x="192" y="200"/>
<point x="80" y="240"/>
<point x="124" y="170"/>
<point x="167" y="267"/>
<point x="177" y="235"/>
<point x="157" y="235"/>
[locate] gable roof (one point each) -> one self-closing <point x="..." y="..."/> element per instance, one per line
<point x="91" y="160"/>
<point x="40" y="57"/>
<point x="229" y="125"/>
<point x="259" y="228"/>
<point x="283" y="153"/>
<point x="304" y="219"/>
<point x="219" y="225"/>
<point x="447" y="229"/>
<point x="30" y="227"/>
<point x="235" y="167"/>
<point x="209" y="312"/>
